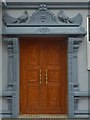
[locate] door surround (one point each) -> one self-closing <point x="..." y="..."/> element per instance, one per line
<point x="12" y="32"/>
<point x="13" y="75"/>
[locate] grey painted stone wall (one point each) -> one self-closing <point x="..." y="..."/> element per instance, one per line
<point x="0" y="73"/>
<point x="0" y="57"/>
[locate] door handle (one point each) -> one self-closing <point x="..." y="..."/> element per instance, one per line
<point x="40" y="76"/>
<point x="46" y="77"/>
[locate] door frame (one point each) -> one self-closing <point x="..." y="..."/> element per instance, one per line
<point x="13" y="75"/>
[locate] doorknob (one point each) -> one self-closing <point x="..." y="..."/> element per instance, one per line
<point x="40" y="76"/>
<point x="46" y="77"/>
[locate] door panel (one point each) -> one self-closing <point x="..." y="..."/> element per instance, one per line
<point x="57" y="67"/>
<point x="54" y="75"/>
<point x="43" y="75"/>
<point x="33" y="98"/>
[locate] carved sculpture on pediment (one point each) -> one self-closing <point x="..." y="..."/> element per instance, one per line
<point x="64" y="18"/>
<point x="43" y="16"/>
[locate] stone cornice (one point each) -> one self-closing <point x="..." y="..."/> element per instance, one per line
<point x="50" y="5"/>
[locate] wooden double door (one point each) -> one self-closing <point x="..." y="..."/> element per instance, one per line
<point x="43" y="75"/>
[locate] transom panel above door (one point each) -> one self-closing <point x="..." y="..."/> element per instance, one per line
<point x="43" y="75"/>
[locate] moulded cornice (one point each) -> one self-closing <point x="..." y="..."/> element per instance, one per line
<point x="51" y="5"/>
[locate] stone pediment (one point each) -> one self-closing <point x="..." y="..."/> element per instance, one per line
<point x="42" y="16"/>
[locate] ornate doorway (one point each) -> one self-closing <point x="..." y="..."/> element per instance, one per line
<point x="43" y="22"/>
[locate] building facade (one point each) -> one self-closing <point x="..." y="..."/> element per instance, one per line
<point x="45" y="59"/>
